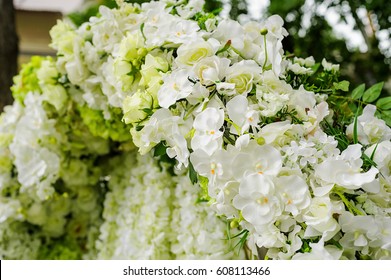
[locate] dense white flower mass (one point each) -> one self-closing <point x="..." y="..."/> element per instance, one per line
<point x="151" y="215"/>
<point x="241" y="149"/>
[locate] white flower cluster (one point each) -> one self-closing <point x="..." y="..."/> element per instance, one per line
<point x="17" y="243"/>
<point x="197" y="232"/>
<point x="213" y="98"/>
<point x="136" y="211"/>
<point x="223" y="106"/>
<point x="54" y="173"/>
<point x="137" y="225"/>
<point x="36" y="160"/>
<point x="49" y="194"/>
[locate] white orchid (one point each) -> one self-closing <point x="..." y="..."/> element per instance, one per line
<point x="176" y="86"/>
<point x="242" y="115"/>
<point x="294" y="193"/>
<point x="208" y="136"/>
<point x="319" y="218"/>
<point x="256" y="159"/>
<point x="370" y="129"/>
<point x="257" y="200"/>
<point x="345" y="170"/>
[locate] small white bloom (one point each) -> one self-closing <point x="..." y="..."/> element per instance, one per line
<point x="230" y="30"/>
<point x="223" y="204"/>
<point x="381" y="154"/>
<point x="357" y="230"/>
<point x="294" y="193"/>
<point x="178" y="149"/>
<point x="207" y="124"/>
<point x="345" y="170"/>
<point x="256" y="159"/>
<point x="320" y="252"/>
<point x="213" y="166"/>
<point x="370" y="129"/>
<point x="9" y="209"/>
<point x="226" y="88"/>
<point x="299" y="70"/>
<point x="307" y="62"/>
<point x="241" y="114"/>
<point x="329" y="66"/>
<point x="257" y="200"/>
<point x="319" y="218"/>
<point x="302" y="101"/>
<point x="159" y="124"/>
<point x="189" y="10"/>
<point x="176" y="86"/>
<point x="271" y="133"/>
<point x="272" y="94"/>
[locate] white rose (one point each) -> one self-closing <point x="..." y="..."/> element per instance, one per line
<point x="133" y="107"/>
<point x="244" y="74"/>
<point x="193" y="51"/>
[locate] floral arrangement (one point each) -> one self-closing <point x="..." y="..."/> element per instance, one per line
<point x="243" y="150"/>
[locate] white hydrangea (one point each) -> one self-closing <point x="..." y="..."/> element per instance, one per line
<point x="36" y="163"/>
<point x="197" y="233"/>
<point x="16" y="243"/>
<point x="136" y="223"/>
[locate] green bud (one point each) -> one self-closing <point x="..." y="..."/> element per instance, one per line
<point x="234" y="224"/>
<point x="261" y="141"/>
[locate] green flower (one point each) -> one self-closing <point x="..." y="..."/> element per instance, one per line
<point x="112" y="128"/>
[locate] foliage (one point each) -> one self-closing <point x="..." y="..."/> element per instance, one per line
<point x="318" y="39"/>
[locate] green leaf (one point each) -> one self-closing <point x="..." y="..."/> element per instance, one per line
<point x="139" y="127"/>
<point x="192" y="174"/>
<point x="349" y="205"/>
<point x="386" y="116"/>
<point x="373" y="92"/>
<point x="352" y="106"/>
<point x="148" y="111"/>
<point x="355" y="133"/>
<point x="225" y="48"/>
<point x="315" y="67"/>
<point x="335" y="243"/>
<point x="160" y="149"/>
<point x="358" y="92"/>
<point x="384" y="103"/>
<point x="373" y="153"/>
<point x="343" y="85"/>
<point x="142" y="31"/>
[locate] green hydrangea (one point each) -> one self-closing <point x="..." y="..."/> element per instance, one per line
<point x="27" y="79"/>
<point x="112" y="128"/>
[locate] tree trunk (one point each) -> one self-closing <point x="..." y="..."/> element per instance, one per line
<point x="8" y="51"/>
